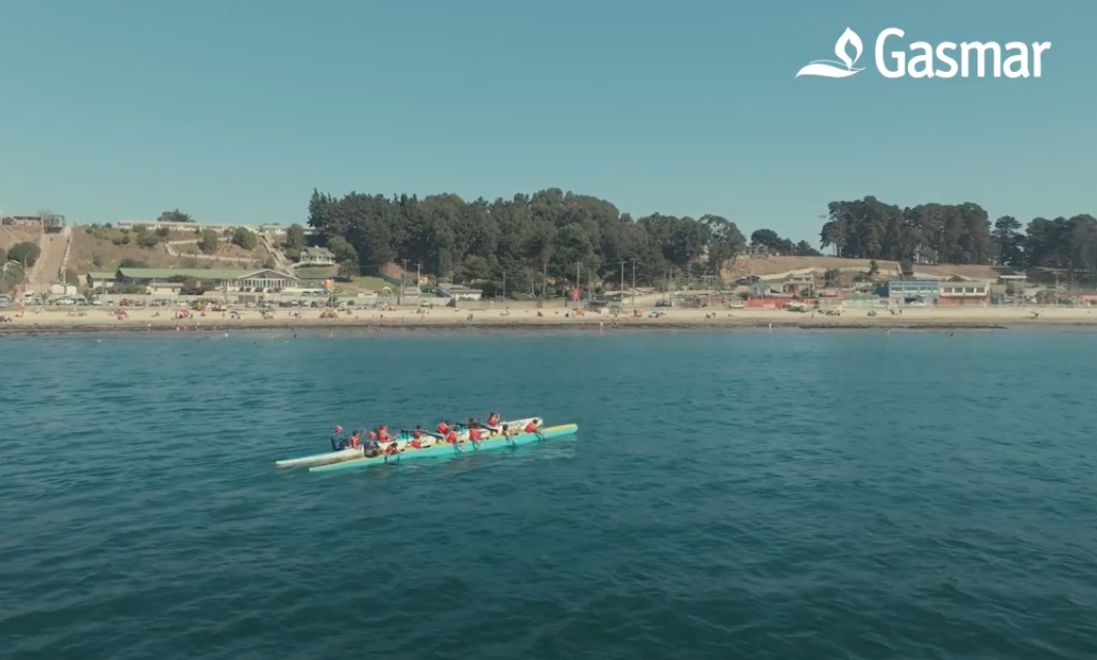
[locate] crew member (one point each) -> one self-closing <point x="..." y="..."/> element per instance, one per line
<point x="372" y="448"/>
<point x="338" y="440"/>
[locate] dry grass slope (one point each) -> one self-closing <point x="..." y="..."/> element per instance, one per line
<point x="104" y="250"/>
<point x="778" y="265"/>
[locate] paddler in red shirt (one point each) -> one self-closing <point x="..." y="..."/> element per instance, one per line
<point x="417" y="437"/>
<point x="474" y="433"/>
<point x="443" y="427"/>
<point x="383" y="434"/>
<point x="353" y="442"/>
<point x="493" y="420"/>
<point x="451" y="436"/>
<point x="532" y="426"/>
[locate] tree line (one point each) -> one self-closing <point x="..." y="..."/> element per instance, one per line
<point x="958" y="234"/>
<point x="550" y="234"/>
<point x="528" y="239"/>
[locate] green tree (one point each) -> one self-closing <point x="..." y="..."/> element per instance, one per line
<point x="147" y="239"/>
<point x="26" y="253"/>
<point x="244" y="238"/>
<point x="348" y="270"/>
<point x="344" y="252"/>
<point x="3" y="256"/>
<point x="295" y="239"/>
<point x="209" y="242"/>
<point x="132" y="263"/>
<point x="175" y="216"/>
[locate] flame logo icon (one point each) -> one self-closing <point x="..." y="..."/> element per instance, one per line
<point x="832" y="69"/>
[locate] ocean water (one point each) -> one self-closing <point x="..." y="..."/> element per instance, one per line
<point x="786" y="495"/>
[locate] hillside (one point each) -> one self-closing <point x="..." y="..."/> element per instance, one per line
<point x="9" y="236"/>
<point x="100" y="248"/>
<point x="780" y="265"/>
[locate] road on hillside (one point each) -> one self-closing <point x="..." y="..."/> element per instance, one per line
<point x="46" y="270"/>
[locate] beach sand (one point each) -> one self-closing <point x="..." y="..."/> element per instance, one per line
<point x="520" y="316"/>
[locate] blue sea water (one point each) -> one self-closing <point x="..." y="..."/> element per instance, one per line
<point x="786" y="495"/>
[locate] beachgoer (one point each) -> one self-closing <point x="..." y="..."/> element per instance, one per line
<point x="338" y="440"/>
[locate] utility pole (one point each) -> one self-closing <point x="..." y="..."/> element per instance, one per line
<point x="544" y="280"/>
<point x="622" y="296"/>
<point x="578" y="276"/>
<point x="504" y="285"/>
<point x="634" y="281"/>
<point x="403" y="282"/>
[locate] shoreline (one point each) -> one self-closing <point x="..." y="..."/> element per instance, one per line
<point x="143" y="320"/>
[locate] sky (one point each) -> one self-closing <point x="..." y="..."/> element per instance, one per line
<point x="235" y="110"/>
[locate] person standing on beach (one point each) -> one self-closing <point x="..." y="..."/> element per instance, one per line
<point x="338" y="440"/>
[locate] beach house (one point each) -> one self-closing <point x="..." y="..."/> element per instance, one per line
<point x="317" y="256"/>
<point x="964" y="293"/>
<point x="908" y="291"/>
<point x="101" y="279"/>
<point x="265" y="279"/>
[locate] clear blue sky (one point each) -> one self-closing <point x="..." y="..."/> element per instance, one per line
<point x="234" y="110"/>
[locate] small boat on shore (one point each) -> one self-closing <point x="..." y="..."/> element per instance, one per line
<point x="445" y="450"/>
<point x="402" y="439"/>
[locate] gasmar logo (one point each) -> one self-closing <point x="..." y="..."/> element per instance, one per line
<point x="925" y="59"/>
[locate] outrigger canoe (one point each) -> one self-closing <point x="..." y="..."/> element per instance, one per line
<point x="444" y="450"/>
<point x="401" y="439"/>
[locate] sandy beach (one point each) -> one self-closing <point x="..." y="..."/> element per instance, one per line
<point x="526" y="317"/>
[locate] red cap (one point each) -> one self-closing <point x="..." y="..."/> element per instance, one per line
<point x="338" y="428"/>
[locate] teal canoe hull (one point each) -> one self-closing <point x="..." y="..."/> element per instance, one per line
<point x="450" y="451"/>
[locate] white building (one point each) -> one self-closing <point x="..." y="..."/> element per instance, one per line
<point x="317" y="256"/>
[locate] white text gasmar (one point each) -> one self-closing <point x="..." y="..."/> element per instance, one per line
<point x="925" y="60"/>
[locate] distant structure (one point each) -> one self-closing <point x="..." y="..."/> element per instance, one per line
<point x="220" y="228"/>
<point x="51" y="223"/>
<point x="316" y="256"/>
